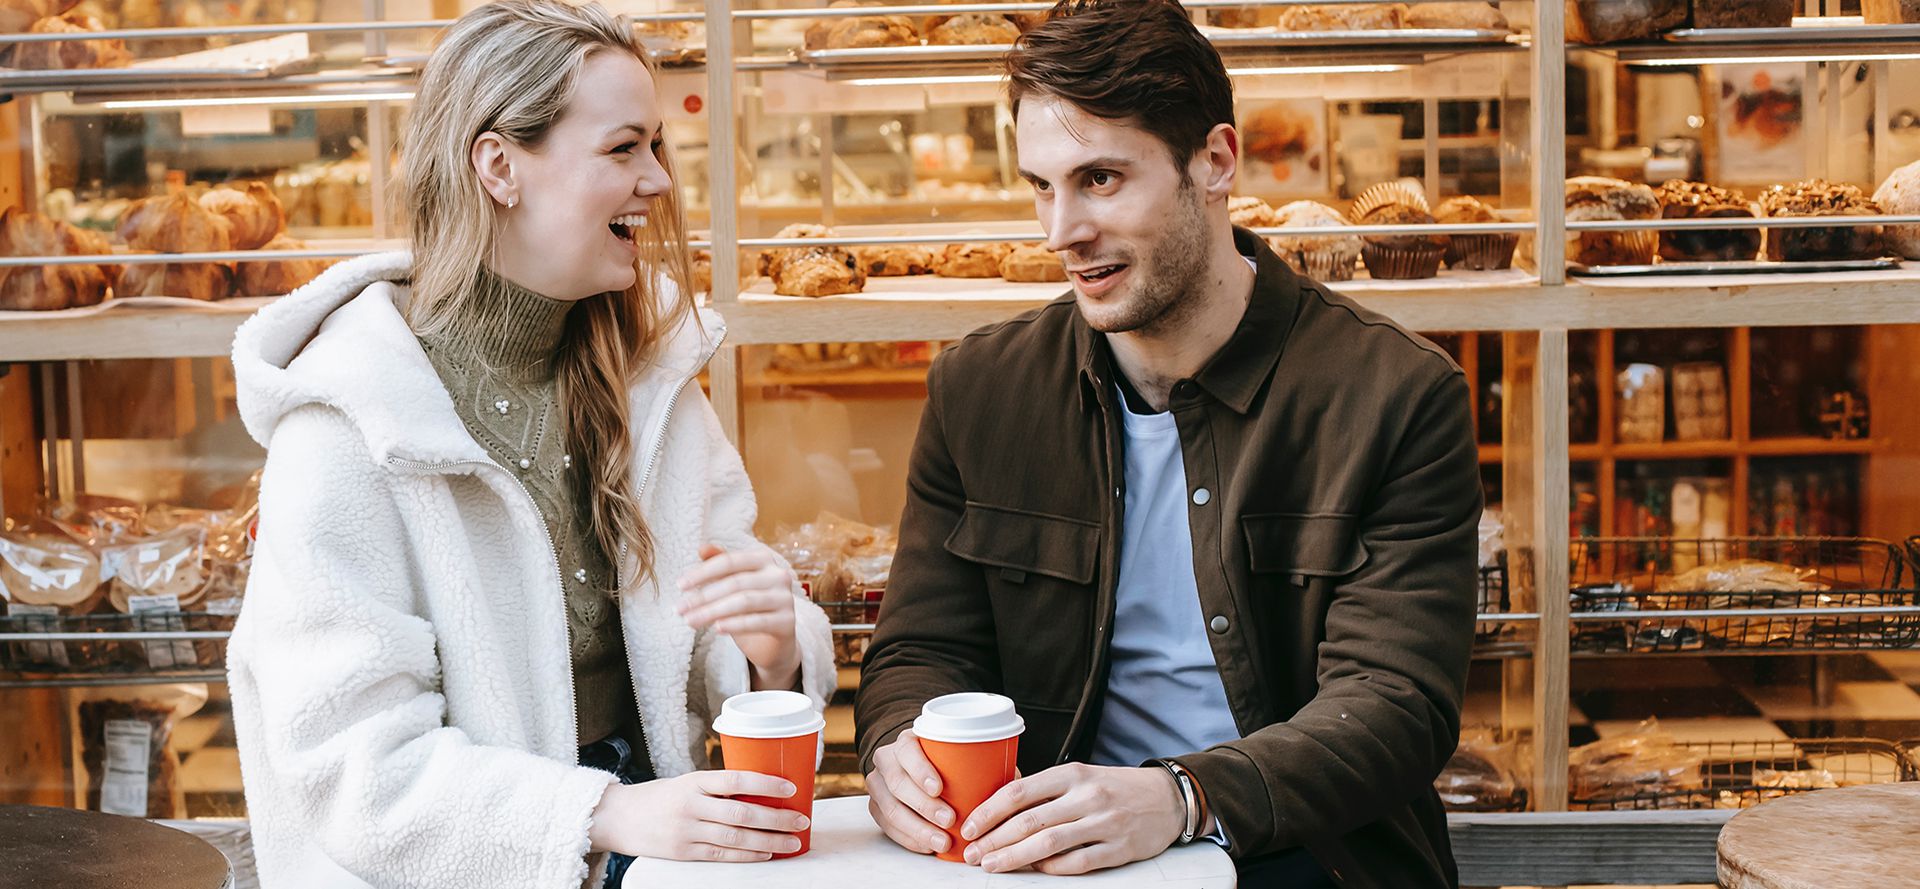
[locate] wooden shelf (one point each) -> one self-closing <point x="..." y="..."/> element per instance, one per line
<point x="136" y="328"/>
<point x="1763" y="447"/>
<point x="851" y="377"/>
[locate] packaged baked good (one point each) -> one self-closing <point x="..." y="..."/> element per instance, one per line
<point x="1899" y="195"/>
<point x="971" y="260"/>
<point x="1033" y="264"/>
<point x="1322" y="258"/>
<point x="1595" y="198"/>
<point x="861" y="31"/>
<point x="973" y="29"/>
<point x="1482" y="775"/>
<point x="49" y="569"/>
<point x="1680" y="199"/>
<point x="166" y="564"/>
<point x="1818" y="197"/>
<point x="1471" y="16"/>
<point x="49" y="287"/>
<point x="1476" y="252"/>
<point x="277" y="276"/>
<point x="77" y="53"/>
<point x="1352" y="17"/>
<point x="1890" y="12"/>
<point x="126" y="739"/>
<point x="895" y="260"/>
<point x="1642" y="768"/>
<point x="1611" y="21"/>
<point x="1248" y="211"/>
<point x="1743" y="13"/>
<point x="253" y="213"/>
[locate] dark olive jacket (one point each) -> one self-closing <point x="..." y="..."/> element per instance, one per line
<point x="1335" y="501"/>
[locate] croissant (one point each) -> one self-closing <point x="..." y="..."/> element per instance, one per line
<point x="192" y="280"/>
<point x="254" y="214"/>
<point x="276" y="277"/>
<point x="48" y="287"/>
<point x="175" y="223"/>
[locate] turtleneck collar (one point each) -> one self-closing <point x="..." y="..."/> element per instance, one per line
<point x="510" y="330"/>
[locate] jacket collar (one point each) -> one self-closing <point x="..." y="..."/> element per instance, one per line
<point x="1236" y="373"/>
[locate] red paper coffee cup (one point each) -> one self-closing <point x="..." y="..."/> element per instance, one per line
<point x="774" y="733"/>
<point x="973" y="740"/>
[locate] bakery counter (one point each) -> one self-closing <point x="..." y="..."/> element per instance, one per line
<point x="141" y="327"/>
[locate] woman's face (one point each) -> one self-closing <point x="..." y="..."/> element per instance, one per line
<point x="585" y="193"/>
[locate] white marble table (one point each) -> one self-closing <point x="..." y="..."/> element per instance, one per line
<point x="1852" y="838"/>
<point x="850" y="852"/>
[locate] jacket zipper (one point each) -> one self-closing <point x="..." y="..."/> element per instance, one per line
<point x="553" y="559"/>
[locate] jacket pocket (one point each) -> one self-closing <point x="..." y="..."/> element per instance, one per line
<point x="1019" y="543"/>
<point x="1039" y="571"/>
<point x="1302" y="545"/>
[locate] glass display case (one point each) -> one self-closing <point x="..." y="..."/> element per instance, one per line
<point x="1690" y="402"/>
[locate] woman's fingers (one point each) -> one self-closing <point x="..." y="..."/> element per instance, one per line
<point x="740" y="813"/>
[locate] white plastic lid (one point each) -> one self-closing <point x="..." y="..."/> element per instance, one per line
<point x="968" y="717"/>
<point x="768" y="714"/>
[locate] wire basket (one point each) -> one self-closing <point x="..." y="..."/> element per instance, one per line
<point x="1640" y="576"/>
<point x="1738" y="774"/>
<point x="115" y="655"/>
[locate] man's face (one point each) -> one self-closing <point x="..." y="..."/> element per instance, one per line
<point x="1129" y="226"/>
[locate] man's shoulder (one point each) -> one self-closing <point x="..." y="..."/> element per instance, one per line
<point x="1333" y="323"/>
<point x="1021" y="351"/>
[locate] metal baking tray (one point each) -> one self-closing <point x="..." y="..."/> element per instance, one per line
<point x="1224" y="38"/>
<point x="26" y="81"/>
<point x="1816" y="34"/>
<point x="1748" y="267"/>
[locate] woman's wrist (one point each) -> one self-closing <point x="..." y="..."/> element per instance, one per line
<point x="605" y="816"/>
<point x="784" y="675"/>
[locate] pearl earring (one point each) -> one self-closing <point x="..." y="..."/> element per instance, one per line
<point x="512" y="200"/>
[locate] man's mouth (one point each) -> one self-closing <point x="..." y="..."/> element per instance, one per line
<point x="1098" y="272"/>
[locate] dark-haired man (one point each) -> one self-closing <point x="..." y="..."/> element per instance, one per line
<point x="1209" y="524"/>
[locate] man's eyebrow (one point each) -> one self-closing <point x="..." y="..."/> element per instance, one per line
<point x="1098" y="163"/>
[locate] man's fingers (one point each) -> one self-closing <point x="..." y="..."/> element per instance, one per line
<point x="1085" y="859"/>
<point x="901" y="824"/>
<point x="1016" y="797"/>
<point x="1025" y="824"/>
<point x="910" y="757"/>
<point x="903" y="789"/>
<point x="1041" y="846"/>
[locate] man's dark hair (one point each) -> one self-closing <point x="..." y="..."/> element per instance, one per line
<point x="1141" y="62"/>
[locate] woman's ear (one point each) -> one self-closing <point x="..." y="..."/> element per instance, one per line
<point x="495" y="169"/>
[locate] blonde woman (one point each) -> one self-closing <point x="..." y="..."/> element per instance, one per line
<point x="505" y="571"/>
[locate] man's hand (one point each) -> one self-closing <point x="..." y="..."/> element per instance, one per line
<point x="903" y="795"/>
<point x="1075" y="818"/>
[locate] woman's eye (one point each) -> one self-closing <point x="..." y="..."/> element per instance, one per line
<point x="624" y="147"/>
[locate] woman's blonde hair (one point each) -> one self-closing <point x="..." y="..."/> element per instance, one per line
<point x="510" y="67"/>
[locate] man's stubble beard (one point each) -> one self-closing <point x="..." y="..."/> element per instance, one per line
<point x="1169" y="292"/>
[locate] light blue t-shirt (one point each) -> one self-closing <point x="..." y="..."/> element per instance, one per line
<point x="1164" y="694"/>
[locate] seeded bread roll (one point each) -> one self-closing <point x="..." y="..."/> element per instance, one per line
<point x="971" y="260"/>
<point x="1600" y="198"/>
<point x="1817" y="197"/>
<point x="1680" y="199"/>
<point x="1033" y="264"/>
<point x="1900" y="196"/>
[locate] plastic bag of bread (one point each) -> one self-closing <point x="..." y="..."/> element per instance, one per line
<point x="126" y="747"/>
<point x="1610" y="21"/>
<point x="46" y="567"/>
<point x="167" y="564"/>
<point x="1643" y="768"/>
<point x="253" y="213"/>
<point x="276" y="277"/>
<point x="49" y="287"/>
<point x="1482" y="775"/>
<point x="77" y="53"/>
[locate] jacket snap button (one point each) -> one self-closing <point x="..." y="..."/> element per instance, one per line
<point x="526" y="463"/>
<point x="1219" y="623"/>
<point x="1201" y="496"/>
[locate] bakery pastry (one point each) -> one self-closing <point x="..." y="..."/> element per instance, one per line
<point x="825" y="270"/>
<point x="1594" y="198"/>
<point x="1743" y="13"/>
<point x="1033" y="264"/>
<point x="16" y="16"/>
<point x="971" y="260"/>
<point x="1680" y="199"/>
<point x="1475" y="252"/>
<point x="1610" y="21"/>
<point x="188" y="280"/>
<point x="1248" y="211"/>
<point x="895" y="260"/>
<point x="1356" y="17"/>
<point x="1319" y="258"/>
<point x="252" y="211"/>
<point x="861" y="32"/>
<point x="1817" y="197"/>
<point x="49" y="287"/>
<point x="49" y="569"/>
<point x="279" y="276"/>
<point x="1401" y="257"/>
<point x="101" y="53"/>
<point x="1245" y="17"/>
<point x="973" y="29"/>
<point x="175" y="223"/>
<point x="702" y="268"/>
<point x="1475" y="16"/>
<point x="771" y="260"/>
<point x="1900" y="196"/>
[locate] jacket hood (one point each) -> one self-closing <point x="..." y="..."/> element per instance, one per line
<point x="343" y="341"/>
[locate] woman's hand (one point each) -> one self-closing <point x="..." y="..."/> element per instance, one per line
<point x="748" y="596"/>
<point x="690" y="818"/>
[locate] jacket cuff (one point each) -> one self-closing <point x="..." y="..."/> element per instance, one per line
<point x="1238" y="796"/>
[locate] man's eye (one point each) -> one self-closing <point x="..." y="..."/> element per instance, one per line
<point x="1099" y="178"/>
<point x="1041" y="186"/>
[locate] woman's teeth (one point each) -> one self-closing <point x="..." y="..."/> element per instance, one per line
<point x="623" y="227"/>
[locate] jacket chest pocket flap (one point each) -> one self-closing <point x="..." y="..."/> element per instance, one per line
<point x="1304" y="545"/>
<point x="1019" y="543"/>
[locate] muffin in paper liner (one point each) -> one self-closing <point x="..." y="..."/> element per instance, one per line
<point x="1399" y="191"/>
<point x="1248" y="211"/>
<point x="1401" y="257"/>
<point x="1597" y="198"/>
<point x="1475" y="252"/>
<point x="1321" y="258"/>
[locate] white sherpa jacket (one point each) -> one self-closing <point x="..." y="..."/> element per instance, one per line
<point x="402" y="691"/>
